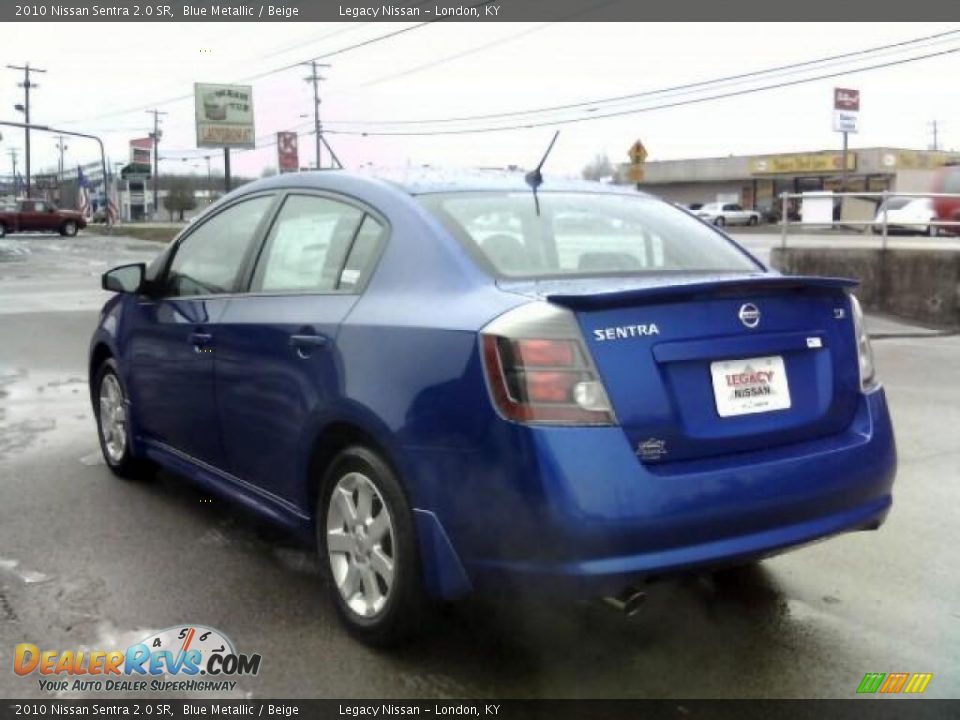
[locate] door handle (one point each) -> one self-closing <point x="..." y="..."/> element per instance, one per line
<point x="305" y="343"/>
<point x="200" y="338"/>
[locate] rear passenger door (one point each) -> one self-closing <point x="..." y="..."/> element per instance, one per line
<point x="277" y="366"/>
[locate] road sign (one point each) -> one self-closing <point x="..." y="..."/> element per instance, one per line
<point x="635" y="173"/>
<point x="637" y="153"/>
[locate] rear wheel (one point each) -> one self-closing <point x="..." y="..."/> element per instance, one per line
<point x="69" y="228"/>
<point x="113" y="426"/>
<point x="753" y="220"/>
<point x="368" y="549"/>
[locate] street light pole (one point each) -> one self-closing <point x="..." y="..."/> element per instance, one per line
<point x="96" y="138"/>
<point x="26" y="85"/>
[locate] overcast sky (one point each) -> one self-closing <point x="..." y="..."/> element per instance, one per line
<point x="95" y="70"/>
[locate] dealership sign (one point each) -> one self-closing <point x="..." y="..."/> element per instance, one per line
<point x="846" y="110"/>
<point x="224" y="116"/>
<point x="141" y="151"/>
<point x="288" y="158"/>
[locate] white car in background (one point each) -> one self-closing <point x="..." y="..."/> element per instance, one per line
<point x="907" y="215"/>
<point x="721" y="214"/>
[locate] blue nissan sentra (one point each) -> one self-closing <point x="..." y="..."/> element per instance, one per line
<point x="455" y="383"/>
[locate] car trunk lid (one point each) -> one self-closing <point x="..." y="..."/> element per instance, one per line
<point x="700" y="365"/>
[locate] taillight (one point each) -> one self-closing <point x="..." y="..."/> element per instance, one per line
<point x="539" y="371"/>
<point x="868" y="375"/>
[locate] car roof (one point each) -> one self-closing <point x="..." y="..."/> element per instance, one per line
<point x="419" y="181"/>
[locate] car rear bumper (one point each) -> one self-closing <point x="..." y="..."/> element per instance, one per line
<point x="608" y="520"/>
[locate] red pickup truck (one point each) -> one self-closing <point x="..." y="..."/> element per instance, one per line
<point x="39" y="216"/>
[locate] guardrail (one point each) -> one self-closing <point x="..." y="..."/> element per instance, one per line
<point x="882" y="205"/>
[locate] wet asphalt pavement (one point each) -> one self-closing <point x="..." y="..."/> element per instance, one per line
<point x="87" y="560"/>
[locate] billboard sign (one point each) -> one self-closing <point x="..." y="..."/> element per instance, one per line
<point x="846" y="99"/>
<point x="224" y="115"/>
<point x="288" y="158"/>
<point x="141" y="151"/>
<point x="846" y="110"/>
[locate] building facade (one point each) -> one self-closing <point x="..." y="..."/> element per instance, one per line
<point x="756" y="181"/>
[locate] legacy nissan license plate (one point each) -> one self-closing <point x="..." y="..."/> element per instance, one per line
<point x="757" y="385"/>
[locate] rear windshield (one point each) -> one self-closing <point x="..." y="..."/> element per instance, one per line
<point x="583" y="234"/>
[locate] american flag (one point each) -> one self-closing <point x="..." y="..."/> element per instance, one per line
<point x="83" y="193"/>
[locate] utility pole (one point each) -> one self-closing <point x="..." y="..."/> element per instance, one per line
<point x="26" y="85"/>
<point x="156" y="154"/>
<point x="12" y="152"/>
<point x="61" y="147"/>
<point x="936" y="138"/>
<point x="315" y="79"/>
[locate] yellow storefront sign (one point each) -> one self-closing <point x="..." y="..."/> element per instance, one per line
<point x="802" y="163"/>
<point x="913" y="160"/>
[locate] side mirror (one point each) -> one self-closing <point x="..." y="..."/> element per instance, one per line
<point x="124" y="279"/>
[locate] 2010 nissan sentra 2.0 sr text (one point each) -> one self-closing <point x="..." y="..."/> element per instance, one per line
<point x="453" y="384"/>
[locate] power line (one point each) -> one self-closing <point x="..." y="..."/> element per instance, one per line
<point x="261" y="75"/>
<point x="662" y="91"/>
<point x="634" y="111"/>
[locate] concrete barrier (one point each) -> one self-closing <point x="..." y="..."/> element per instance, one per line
<point x="919" y="285"/>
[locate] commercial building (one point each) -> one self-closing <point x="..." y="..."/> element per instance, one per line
<point x="756" y="181"/>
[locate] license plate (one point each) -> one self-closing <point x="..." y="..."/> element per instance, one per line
<point x="755" y="385"/>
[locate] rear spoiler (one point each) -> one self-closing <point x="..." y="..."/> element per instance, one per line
<point x="714" y="287"/>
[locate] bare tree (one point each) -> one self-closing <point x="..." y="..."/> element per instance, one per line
<point x="598" y="168"/>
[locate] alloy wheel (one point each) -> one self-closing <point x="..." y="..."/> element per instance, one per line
<point x="113" y="418"/>
<point x="361" y="547"/>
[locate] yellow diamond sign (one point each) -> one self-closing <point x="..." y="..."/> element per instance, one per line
<point x="637" y="153"/>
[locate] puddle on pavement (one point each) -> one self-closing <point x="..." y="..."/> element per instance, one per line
<point x="39" y="408"/>
<point x="30" y="577"/>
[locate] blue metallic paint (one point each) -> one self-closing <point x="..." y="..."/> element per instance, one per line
<point x="496" y="501"/>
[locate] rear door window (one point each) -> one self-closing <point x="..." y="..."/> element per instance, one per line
<point x="307" y="246"/>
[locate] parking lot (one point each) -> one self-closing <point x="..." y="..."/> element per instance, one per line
<point x="87" y="560"/>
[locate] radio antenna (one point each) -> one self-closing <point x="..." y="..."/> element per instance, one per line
<point x="534" y="178"/>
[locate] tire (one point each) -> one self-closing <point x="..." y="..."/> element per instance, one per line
<point x="753" y="220"/>
<point x="3" y="230"/>
<point x="719" y="221"/>
<point x="933" y="230"/>
<point x="115" y="442"/>
<point x="69" y="228"/>
<point x="378" y="608"/>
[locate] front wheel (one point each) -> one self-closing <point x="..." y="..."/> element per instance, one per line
<point x="113" y="426"/>
<point x="69" y="228"/>
<point x="719" y="222"/>
<point x="368" y="548"/>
